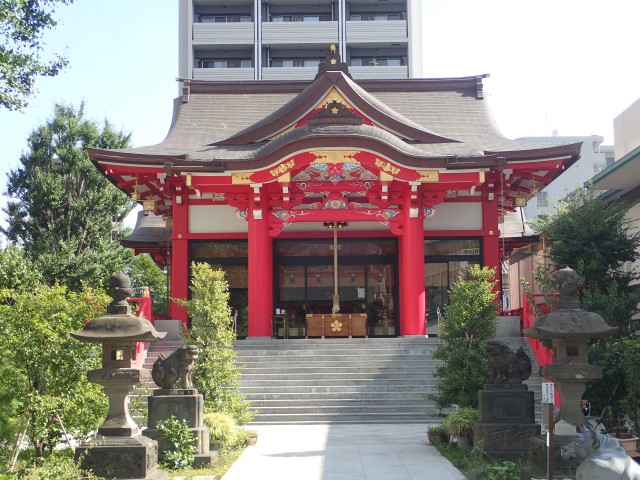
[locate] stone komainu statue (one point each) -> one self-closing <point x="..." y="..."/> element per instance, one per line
<point x="601" y="457"/>
<point x="507" y="366"/>
<point x="176" y="370"/>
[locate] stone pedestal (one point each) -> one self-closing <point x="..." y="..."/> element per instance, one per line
<point x="186" y="405"/>
<point x="507" y="420"/>
<point x="133" y="458"/>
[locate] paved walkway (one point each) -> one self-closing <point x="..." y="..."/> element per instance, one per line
<point x="342" y="452"/>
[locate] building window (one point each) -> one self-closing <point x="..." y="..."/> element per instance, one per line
<point x="356" y="18"/>
<point x="245" y="63"/>
<point x="356" y="62"/>
<point x="281" y="18"/>
<point x="311" y="18"/>
<point x="245" y="19"/>
<point x="542" y="199"/>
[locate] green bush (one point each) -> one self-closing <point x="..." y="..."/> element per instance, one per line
<point x="222" y="427"/>
<point x="469" y="321"/>
<point x="181" y="443"/>
<point x="461" y="421"/>
<point x="59" y="465"/>
<point x="217" y="376"/>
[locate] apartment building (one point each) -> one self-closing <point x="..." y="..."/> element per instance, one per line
<point x="229" y="40"/>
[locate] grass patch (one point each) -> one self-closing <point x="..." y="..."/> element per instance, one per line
<point x="476" y="466"/>
<point x="219" y="468"/>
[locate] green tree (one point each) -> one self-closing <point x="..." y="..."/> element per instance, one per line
<point x="44" y="367"/>
<point x="23" y="24"/>
<point x="216" y="375"/>
<point x="469" y="322"/>
<point x="61" y="208"/>
<point x="144" y="272"/>
<point x="598" y="241"/>
<point x="16" y="271"/>
<point x="17" y="274"/>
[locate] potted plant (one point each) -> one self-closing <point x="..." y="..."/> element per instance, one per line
<point x="459" y="424"/>
<point x="223" y="429"/>
<point x="438" y="434"/>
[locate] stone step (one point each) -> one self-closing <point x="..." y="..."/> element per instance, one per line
<point x="301" y="389"/>
<point x="336" y="381"/>
<point x="375" y="401"/>
<point x="368" y="417"/>
<point x="330" y="371"/>
<point x="345" y="396"/>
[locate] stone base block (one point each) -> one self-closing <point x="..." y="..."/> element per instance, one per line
<point x="134" y="458"/>
<point x="538" y="456"/>
<point x="505" y="441"/>
<point x="511" y="404"/>
<point x="205" y="460"/>
<point x="187" y="407"/>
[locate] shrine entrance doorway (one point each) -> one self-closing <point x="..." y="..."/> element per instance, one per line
<point x="367" y="282"/>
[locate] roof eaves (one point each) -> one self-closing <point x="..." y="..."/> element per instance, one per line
<point x="615" y="166"/>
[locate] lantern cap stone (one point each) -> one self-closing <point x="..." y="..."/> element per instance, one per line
<point x="119" y="325"/>
<point x="569" y="321"/>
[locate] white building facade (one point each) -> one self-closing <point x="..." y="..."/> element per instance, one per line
<point x="230" y="40"/>
<point x="594" y="158"/>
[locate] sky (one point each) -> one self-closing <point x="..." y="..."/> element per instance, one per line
<point x="569" y="66"/>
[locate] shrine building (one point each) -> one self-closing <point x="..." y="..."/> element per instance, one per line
<point x="363" y="199"/>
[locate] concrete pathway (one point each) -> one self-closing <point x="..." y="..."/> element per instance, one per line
<point x="342" y="452"/>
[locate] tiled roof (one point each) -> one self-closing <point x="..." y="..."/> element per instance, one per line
<point x="455" y="112"/>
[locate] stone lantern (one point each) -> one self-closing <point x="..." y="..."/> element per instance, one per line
<point x="120" y="451"/>
<point x="569" y="328"/>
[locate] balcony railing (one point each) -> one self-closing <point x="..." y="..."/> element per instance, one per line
<point x="289" y="73"/>
<point x="382" y="72"/>
<point x="276" y="33"/>
<point x="391" y="31"/>
<point x="223" y="74"/>
<point x="234" y="33"/>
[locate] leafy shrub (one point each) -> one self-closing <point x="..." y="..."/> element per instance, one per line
<point x="469" y="321"/>
<point x="180" y="443"/>
<point x="57" y="466"/>
<point x="217" y="376"/>
<point x="461" y="421"/>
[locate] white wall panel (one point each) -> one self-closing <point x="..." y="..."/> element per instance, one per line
<point x="215" y="219"/>
<point x="456" y="216"/>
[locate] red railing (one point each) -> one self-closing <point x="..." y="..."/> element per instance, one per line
<point x="543" y="355"/>
<point x="144" y="311"/>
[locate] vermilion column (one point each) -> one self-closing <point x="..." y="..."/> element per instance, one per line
<point x="260" y="273"/>
<point x="179" y="261"/>
<point x="491" y="239"/>
<point x="412" y="292"/>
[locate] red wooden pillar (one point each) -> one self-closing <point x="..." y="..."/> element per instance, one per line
<point x="260" y="273"/>
<point x="491" y="239"/>
<point x="179" y="286"/>
<point x="412" y="291"/>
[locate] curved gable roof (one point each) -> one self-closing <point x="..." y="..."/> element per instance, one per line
<point x="313" y="96"/>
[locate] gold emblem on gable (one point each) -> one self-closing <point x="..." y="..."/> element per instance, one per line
<point x="334" y="96"/>
<point x="241" y="178"/>
<point x="427" y="176"/>
<point x="335" y="156"/>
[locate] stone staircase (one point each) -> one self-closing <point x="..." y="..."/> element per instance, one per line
<point x="374" y="380"/>
<point x="359" y="380"/>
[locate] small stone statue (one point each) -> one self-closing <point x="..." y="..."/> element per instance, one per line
<point x="601" y="457"/>
<point x="176" y="370"/>
<point x="507" y="366"/>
